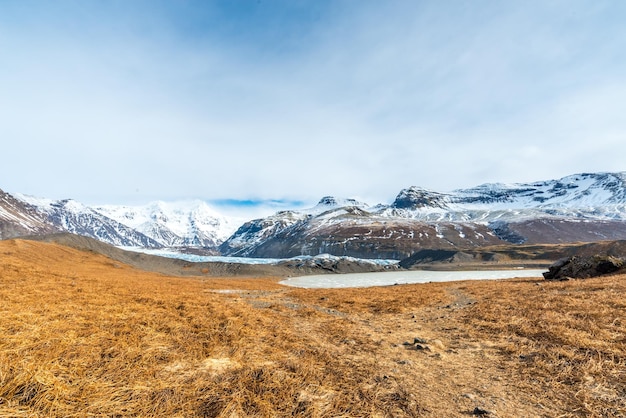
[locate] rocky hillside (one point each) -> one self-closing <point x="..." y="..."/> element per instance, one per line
<point x="349" y="231"/>
<point x="18" y="218"/>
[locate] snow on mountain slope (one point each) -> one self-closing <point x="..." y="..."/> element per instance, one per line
<point x="71" y="216"/>
<point x="192" y="223"/>
<point x="156" y="225"/>
<point x="575" y="191"/>
<point x="329" y="203"/>
<point x="590" y="195"/>
<point x="600" y="196"/>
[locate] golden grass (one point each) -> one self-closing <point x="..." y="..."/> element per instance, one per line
<point x="565" y="337"/>
<point x="82" y="335"/>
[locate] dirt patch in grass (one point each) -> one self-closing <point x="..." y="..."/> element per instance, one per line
<point x="82" y="334"/>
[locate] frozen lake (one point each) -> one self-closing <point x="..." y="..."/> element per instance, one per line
<point x="403" y="277"/>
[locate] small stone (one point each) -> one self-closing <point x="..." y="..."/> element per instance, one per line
<point x="418" y="340"/>
<point x="438" y="344"/>
<point x="480" y="411"/>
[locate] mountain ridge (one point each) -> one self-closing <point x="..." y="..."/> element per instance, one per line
<point x="579" y="207"/>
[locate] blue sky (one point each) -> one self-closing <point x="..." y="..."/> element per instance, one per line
<point x="132" y="101"/>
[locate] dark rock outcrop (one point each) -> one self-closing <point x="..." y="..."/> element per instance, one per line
<point x="578" y="267"/>
<point x="426" y="256"/>
<point x="416" y="197"/>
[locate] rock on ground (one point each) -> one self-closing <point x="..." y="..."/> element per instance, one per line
<point x="578" y="267"/>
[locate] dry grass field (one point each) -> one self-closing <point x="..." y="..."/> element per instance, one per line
<point x="82" y="335"/>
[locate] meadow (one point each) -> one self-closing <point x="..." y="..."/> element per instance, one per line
<point x="84" y="335"/>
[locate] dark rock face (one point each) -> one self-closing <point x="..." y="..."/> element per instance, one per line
<point x="427" y="256"/>
<point x="414" y="197"/>
<point x="332" y="201"/>
<point x="578" y="267"/>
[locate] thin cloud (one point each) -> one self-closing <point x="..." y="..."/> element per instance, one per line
<point x="130" y="102"/>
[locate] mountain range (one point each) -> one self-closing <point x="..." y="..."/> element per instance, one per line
<point x="581" y="207"/>
<point x="156" y="225"/>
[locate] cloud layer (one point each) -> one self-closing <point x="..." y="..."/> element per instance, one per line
<point x="125" y="102"/>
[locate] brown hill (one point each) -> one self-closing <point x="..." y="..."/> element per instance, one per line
<point x="499" y="256"/>
<point x="165" y="265"/>
<point x="178" y="267"/>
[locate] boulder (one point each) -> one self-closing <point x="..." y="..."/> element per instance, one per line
<point x="578" y="267"/>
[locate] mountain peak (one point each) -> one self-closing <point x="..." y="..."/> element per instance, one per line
<point x="418" y="197"/>
<point x="339" y="202"/>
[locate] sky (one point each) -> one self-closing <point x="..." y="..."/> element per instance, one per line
<point x="254" y="102"/>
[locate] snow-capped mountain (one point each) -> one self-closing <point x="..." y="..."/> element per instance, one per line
<point x="582" y="207"/>
<point x="156" y="225"/>
<point x="327" y="203"/>
<point x="72" y="216"/>
<point x="255" y="233"/>
<point x="348" y="231"/>
<point x="180" y="224"/>
<point x="590" y="196"/>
